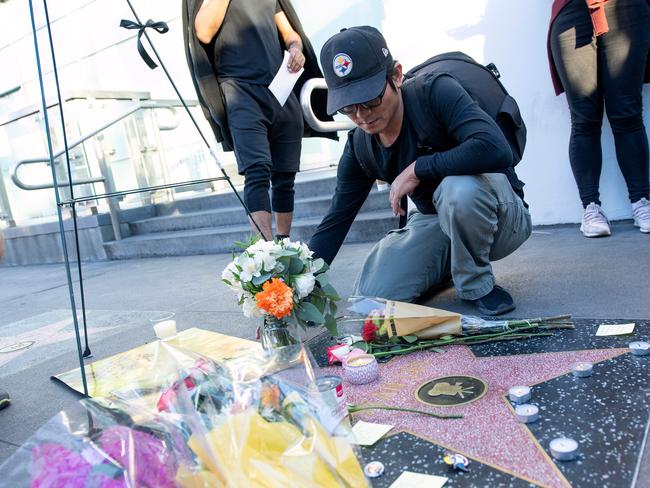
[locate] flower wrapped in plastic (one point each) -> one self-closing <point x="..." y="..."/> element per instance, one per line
<point x="194" y="423"/>
<point x="388" y="327"/>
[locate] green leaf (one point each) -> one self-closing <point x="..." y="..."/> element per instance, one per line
<point x="410" y="338"/>
<point x="309" y="313"/>
<point x="287" y="252"/>
<point x="295" y="266"/>
<point x="317" y="265"/>
<point x="396" y="348"/>
<point x="261" y="279"/>
<point x="330" y="324"/>
<point x="227" y="282"/>
<point x="435" y="349"/>
<point x="324" y="268"/>
<point x="319" y="302"/>
<point x="323" y="279"/>
<point x="330" y="292"/>
<point x="333" y="308"/>
<point x="363" y="345"/>
<point x="395" y="340"/>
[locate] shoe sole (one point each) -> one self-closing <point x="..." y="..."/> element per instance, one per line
<point x="645" y="230"/>
<point x="492" y="313"/>
<point x="596" y="234"/>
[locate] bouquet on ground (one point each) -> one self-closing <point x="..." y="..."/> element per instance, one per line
<point x="281" y="281"/>
<point x="388" y="327"/>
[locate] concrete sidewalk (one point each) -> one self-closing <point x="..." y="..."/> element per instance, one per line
<point x="556" y="271"/>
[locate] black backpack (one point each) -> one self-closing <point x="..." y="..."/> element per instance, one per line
<point x="483" y="85"/>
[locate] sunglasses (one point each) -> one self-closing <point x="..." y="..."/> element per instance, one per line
<point x="370" y="104"/>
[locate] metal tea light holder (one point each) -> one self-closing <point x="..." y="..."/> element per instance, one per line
<point x="72" y="201"/>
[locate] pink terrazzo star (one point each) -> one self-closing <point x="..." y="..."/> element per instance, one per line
<point x="489" y="431"/>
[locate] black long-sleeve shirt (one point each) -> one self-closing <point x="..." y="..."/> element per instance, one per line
<point x="466" y="141"/>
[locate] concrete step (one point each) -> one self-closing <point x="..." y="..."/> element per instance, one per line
<point x="368" y="226"/>
<point x="304" y="189"/>
<point x="313" y="207"/>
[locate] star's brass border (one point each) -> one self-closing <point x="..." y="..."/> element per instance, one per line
<point x="485" y="390"/>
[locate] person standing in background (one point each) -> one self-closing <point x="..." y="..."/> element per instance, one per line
<point x="234" y="50"/>
<point x="598" y="53"/>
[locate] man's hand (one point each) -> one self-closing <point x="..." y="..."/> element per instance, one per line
<point x="296" y="58"/>
<point x="404" y="184"/>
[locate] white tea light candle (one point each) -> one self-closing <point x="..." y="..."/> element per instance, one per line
<point x="527" y="413"/>
<point x="564" y="449"/>
<point x="519" y="394"/>
<point x="165" y="329"/>
<point x="583" y="369"/>
<point x="640" y="348"/>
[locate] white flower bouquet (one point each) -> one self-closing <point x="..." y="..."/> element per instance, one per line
<point x="281" y="280"/>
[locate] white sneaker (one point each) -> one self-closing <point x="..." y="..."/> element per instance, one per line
<point x="641" y="213"/>
<point x="594" y="222"/>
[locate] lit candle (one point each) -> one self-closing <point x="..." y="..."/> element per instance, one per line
<point x="527" y="413"/>
<point x="564" y="449"/>
<point x="360" y="369"/>
<point x="519" y="394"/>
<point x="582" y="369"/>
<point x="165" y="329"/>
<point x="640" y="348"/>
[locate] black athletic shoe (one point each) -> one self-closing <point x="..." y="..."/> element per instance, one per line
<point x="5" y="399"/>
<point x="496" y="302"/>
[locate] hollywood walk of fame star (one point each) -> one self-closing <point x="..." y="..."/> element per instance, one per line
<point x="52" y="333"/>
<point x="489" y="431"/>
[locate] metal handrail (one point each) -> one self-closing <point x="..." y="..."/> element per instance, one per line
<point x="313" y="121"/>
<point x="147" y="104"/>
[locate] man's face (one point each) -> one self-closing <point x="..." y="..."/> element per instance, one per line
<point x="377" y="119"/>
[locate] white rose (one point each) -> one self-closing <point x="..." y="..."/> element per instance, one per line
<point x="249" y="268"/>
<point x="250" y="308"/>
<point x="305" y="252"/>
<point x="304" y="284"/>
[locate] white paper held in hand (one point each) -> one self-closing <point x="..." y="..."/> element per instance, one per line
<point x="284" y="81"/>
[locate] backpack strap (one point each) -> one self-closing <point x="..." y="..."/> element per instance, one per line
<point x="415" y="106"/>
<point x="362" y="146"/>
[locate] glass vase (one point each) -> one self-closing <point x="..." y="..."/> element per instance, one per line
<point x="276" y="333"/>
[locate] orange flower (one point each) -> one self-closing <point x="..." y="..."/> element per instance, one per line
<point x="276" y="299"/>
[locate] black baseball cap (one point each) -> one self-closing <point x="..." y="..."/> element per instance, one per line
<point x="355" y="63"/>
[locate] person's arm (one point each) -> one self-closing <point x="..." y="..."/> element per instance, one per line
<point x="352" y="189"/>
<point x="482" y="147"/>
<point x="292" y="42"/>
<point x="209" y="18"/>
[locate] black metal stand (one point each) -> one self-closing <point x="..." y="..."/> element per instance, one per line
<point x="72" y="202"/>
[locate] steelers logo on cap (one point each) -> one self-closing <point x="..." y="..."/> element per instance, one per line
<point x="342" y="64"/>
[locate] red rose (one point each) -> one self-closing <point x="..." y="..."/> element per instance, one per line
<point x="369" y="329"/>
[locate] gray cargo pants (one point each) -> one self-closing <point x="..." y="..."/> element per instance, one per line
<point x="480" y="219"/>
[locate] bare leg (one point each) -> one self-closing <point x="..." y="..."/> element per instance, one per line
<point x="283" y="222"/>
<point x="263" y="219"/>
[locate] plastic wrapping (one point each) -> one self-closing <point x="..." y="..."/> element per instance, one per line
<point x="256" y="421"/>
<point x="367" y="317"/>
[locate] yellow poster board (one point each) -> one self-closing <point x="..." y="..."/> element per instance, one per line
<point x="135" y="366"/>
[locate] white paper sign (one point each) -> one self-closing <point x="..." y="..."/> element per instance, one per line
<point x="408" y="479"/>
<point x="367" y="433"/>
<point x="284" y="81"/>
<point x="614" y="329"/>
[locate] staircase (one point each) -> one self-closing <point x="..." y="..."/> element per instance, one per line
<point x="212" y="224"/>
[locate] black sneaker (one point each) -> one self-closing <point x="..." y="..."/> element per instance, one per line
<point x="496" y="302"/>
<point x="5" y="399"/>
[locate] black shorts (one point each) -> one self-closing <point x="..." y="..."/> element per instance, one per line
<point x="262" y="131"/>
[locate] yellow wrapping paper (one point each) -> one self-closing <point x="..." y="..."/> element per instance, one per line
<point x="246" y="450"/>
<point x="418" y="320"/>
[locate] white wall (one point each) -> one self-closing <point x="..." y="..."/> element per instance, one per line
<point x="94" y="53"/>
